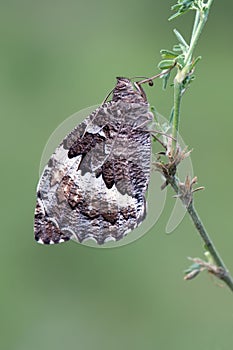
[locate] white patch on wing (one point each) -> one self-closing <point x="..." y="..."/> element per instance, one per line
<point x="109" y="239"/>
<point x="92" y="185"/>
<point x="90" y="238"/>
<point x="94" y="129"/>
<point x="40" y="241"/>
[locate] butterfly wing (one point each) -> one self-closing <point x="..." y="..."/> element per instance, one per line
<point x="94" y="185"/>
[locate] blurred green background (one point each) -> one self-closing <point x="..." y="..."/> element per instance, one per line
<point x="58" y="57"/>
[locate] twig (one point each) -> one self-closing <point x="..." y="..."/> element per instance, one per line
<point x="226" y="277"/>
<point x="185" y="64"/>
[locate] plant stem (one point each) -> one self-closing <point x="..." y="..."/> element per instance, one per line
<point x="226" y="277"/>
<point x="199" y="22"/>
<point x="176" y="113"/>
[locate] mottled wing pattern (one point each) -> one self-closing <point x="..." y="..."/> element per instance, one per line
<point x="94" y="185"/>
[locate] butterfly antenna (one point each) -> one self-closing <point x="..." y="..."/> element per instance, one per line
<point x="107" y="96"/>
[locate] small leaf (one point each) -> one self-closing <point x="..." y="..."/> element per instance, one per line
<point x="167" y="54"/>
<point x="196" y="61"/>
<point x="194" y="266"/>
<point x="209" y="257"/>
<point x="180" y="61"/>
<point x="192" y="271"/>
<point x="177" y="14"/>
<point x="189" y="276"/>
<point x="176" y="7"/>
<point x="165" y="64"/>
<point x="177" y="48"/>
<point x="183" y="6"/>
<point x="171" y="116"/>
<point x="187" y="81"/>
<point x="174" y="16"/>
<point x="165" y="79"/>
<point x="180" y="38"/>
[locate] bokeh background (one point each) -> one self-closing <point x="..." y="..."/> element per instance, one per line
<point x="56" y="58"/>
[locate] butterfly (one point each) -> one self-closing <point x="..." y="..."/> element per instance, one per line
<point x="95" y="182"/>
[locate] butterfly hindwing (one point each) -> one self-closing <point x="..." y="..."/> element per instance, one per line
<point x="94" y="184"/>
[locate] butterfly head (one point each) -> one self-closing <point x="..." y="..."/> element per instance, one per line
<point x="125" y="90"/>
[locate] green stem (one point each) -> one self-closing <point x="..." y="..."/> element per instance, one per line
<point x="200" y="20"/>
<point x="199" y="23"/>
<point x="196" y="21"/>
<point x="204" y="235"/>
<point x="176" y="113"/>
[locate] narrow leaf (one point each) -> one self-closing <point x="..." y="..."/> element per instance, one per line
<point x="196" y="61"/>
<point x="180" y="38"/>
<point x="165" y="64"/>
<point x="165" y="80"/>
<point x="171" y="116"/>
<point x="177" y="48"/>
<point x="180" y="61"/>
<point x="167" y="54"/>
